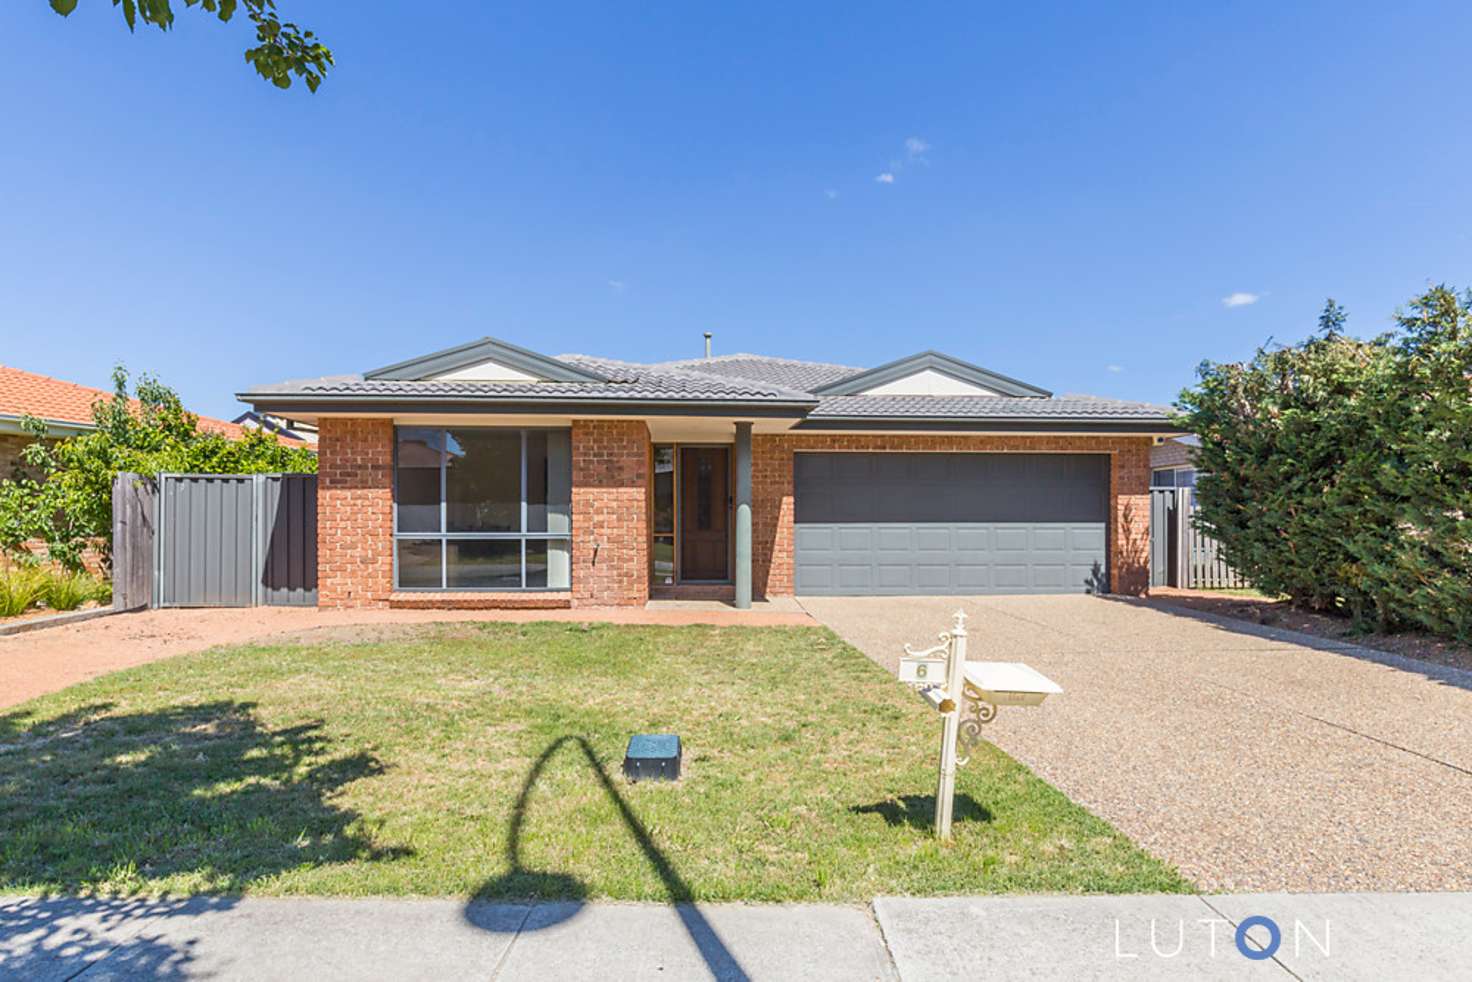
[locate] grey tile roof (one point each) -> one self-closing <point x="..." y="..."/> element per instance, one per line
<point x="803" y="376"/>
<point x="983" y="407"/>
<point x="741" y="378"/>
<point x="626" y="382"/>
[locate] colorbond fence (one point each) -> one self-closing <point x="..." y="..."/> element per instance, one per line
<point x="216" y="540"/>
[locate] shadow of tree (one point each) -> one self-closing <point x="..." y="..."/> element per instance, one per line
<point x="918" y="810"/>
<point x="1134" y="549"/>
<point x="203" y="796"/>
<point x="63" y="937"/>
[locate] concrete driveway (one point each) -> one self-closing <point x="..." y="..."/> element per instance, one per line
<point x="1254" y="759"/>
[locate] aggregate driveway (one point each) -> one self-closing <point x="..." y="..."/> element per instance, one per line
<point x="1254" y="759"/>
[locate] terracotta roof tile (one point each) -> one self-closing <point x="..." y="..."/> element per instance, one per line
<point x="28" y="394"/>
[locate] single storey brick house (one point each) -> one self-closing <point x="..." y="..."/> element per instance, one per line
<point x="490" y="475"/>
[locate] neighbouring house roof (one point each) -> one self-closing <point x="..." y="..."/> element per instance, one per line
<point x="66" y="407"/>
<point x="285" y="428"/>
<point x="1177" y="451"/>
<point x="816" y="394"/>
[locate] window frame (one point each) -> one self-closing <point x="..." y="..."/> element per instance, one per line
<point x="443" y="536"/>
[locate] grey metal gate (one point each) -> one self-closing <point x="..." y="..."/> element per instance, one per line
<point x="236" y="540"/>
<point x="1181" y="555"/>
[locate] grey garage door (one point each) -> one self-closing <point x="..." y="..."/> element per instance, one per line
<point x="937" y="523"/>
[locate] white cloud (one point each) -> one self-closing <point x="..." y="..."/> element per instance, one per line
<point x="916" y="147"/>
<point x="617" y="286"/>
<point x="830" y="193"/>
<point x="885" y="178"/>
<point x="1240" y="299"/>
<point x="1116" y="369"/>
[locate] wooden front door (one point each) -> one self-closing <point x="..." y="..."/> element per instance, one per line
<point x="704" y="507"/>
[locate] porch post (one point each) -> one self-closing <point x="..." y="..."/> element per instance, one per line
<point x="743" y="516"/>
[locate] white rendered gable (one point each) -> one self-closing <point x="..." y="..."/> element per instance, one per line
<point x="486" y="371"/>
<point x="928" y="382"/>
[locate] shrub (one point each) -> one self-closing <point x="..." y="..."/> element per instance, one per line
<point x="1339" y="471"/>
<point x="68" y="591"/>
<point x="21" y="588"/>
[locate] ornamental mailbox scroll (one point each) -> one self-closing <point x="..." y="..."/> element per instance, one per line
<point x="966" y="694"/>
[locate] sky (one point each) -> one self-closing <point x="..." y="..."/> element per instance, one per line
<point x="1090" y="197"/>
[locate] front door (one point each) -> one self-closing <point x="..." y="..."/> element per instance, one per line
<point x="704" y="503"/>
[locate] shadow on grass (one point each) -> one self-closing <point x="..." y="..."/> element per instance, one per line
<point x="203" y="794"/>
<point x="520" y="882"/>
<point x="918" y="810"/>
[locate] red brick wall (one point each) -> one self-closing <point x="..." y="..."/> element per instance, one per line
<point x="772" y="511"/>
<point x="610" y="513"/>
<point x="355" y="512"/>
<point x="11" y="444"/>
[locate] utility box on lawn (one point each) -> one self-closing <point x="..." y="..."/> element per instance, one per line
<point x="653" y="757"/>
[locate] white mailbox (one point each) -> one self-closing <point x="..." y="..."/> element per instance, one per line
<point x="1009" y="683"/>
<point x="966" y="694"/>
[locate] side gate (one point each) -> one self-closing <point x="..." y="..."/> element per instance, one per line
<point x="1180" y="554"/>
<point x="236" y="540"/>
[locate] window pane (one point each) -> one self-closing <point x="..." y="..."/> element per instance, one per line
<point x="419" y="563"/>
<point x="548" y="481"/>
<point x="664" y="561"/>
<point x="491" y="564"/>
<point x="1163" y="479"/>
<point x="548" y="564"/>
<point x="664" y="489"/>
<point x="1186" y="478"/>
<point x="419" y="480"/>
<point x="483" y="481"/>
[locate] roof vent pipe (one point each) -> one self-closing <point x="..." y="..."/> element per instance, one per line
<point x="707" y="344"/>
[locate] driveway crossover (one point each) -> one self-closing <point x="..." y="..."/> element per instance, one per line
<point x="1253" y="759"/>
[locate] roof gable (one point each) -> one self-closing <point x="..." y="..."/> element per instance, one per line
<point x="485" y="360"/>
<point x="931" y="373"/>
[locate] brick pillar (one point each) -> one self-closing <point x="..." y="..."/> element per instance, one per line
<point x="1129" y="526"/>
<point x="610" y="513"/>
<point x="355" y="512"/>
<point x="771" y="516"/>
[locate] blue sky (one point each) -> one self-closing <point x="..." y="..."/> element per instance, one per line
<point x="1075" y="189"/>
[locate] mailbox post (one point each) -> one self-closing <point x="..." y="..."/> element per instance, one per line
<point x="950" y="725"/>
<point x="958" y="689"/>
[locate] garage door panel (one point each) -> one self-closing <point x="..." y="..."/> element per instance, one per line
<point x="1013" y="576"/>
<point x="949" y="523"/>
<point x="976" y="579"/>
<point x="932" y="539"/>
<point x="898" y="577"/>
<point x="1046" y="539"/>
<point x="933" y="578"/>
<point x="894" y="538"/>
<point x="814" y="538"/>
<point x="973" y="538"/>
<point x="1011" y="538"/>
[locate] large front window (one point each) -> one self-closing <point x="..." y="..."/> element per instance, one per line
<point x="482" y="509"/>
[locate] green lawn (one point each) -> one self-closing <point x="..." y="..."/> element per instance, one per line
<point x="483" y="760"/>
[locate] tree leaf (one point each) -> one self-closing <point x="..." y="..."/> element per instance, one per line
<point x="64" y="7"/>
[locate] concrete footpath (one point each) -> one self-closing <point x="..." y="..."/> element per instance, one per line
<point x="1319" y="936"/>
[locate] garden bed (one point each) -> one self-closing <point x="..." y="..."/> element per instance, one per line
<point x="1247" y="605"/>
